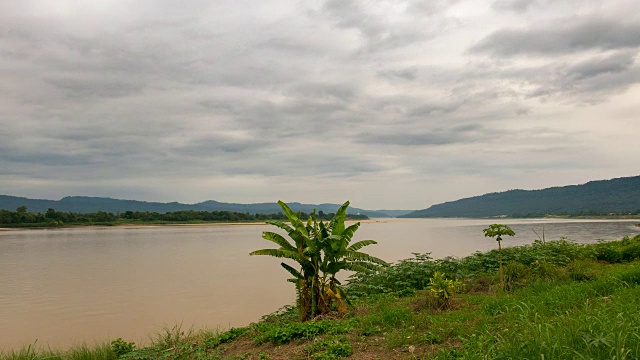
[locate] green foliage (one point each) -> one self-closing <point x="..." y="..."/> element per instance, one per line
<point x="443" y="289"/>
<point x="333" y="347"/>
<point x="582" y="270"/>
<point x="226" y="337"/>
<point x="321" y="250"/>
<point x="546" y="271"/>
<point x="282" y="333"/>
<point x="498" y="231"/>
<point x="121" y="347"/>
<point x="52" y="218"/>
<point x="549" y="260"/>
<point x="78" y="352"/>
<point x="515" y="275"/>
<point x="412" y="273"/>
<point x="628" y="249"/>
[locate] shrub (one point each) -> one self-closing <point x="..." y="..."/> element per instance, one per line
<point x="515" y="274"/>
<point x="411" y="273"/>
<point x="582" y="270"/>
<point x="443" y="289"/>
<point x="631" y="252"/>
<point x="546" y="271"/>
<point x="121" y="347"/>
<point x="631" y="277"/>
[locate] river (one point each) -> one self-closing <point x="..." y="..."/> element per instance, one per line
<point x="67" y="286"/>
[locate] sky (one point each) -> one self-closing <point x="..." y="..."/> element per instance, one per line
<point x="388" y="104"/>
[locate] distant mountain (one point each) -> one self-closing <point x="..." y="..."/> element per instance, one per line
<point x="85" y="204"/>
<point x="395" y="213"/>
<point x="620" y="194"/>
<point x="272" y="208"/>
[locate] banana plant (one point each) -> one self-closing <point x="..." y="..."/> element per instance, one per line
<point x="301" y="252"/>
<point x="320" y="250"/>
<point x="340" y="254"/>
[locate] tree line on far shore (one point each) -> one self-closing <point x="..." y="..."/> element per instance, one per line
<point x="23" y="218"/>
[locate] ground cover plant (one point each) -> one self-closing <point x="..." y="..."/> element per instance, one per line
<point x="561" y="300"/>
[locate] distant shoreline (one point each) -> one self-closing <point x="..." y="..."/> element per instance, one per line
<point x="145" y="226"/>
<point x="254" y="223"/>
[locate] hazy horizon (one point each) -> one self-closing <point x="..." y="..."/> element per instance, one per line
<point x="391" y="105"/>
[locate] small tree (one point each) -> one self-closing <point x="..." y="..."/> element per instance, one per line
<point x="498" y="231"/>
<point x="443" y="289"/>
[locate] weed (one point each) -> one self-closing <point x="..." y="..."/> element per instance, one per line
<point x="443" y="289"/>
<point x="582" y="270"/>
<point x="330" y="348"/>
<point x="226" y="337"/>
<point x="515" y="275"/>
<point x="121" y="347"/>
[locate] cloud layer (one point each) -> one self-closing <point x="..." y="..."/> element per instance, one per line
<point x="389" y="104"/>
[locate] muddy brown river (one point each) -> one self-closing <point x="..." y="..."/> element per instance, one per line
<point x="67" y="286"/>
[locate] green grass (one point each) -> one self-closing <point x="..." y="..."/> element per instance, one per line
<point x="81" y="352"/>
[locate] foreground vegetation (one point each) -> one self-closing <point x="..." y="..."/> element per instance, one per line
<point x="52" y="218"/>
<point x="321" y="250"/>
<point x="562" y="300"/>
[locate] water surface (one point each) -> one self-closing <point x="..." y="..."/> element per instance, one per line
<point x="66" y="286"/>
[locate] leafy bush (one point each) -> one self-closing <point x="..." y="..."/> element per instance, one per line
<point x="121" y="347"/>
<point x="443" y="289"/>
<point x="411" y="273"/>
<point x="582" y="270"/>
<point x="515" y="274"/>
<point x="631" y="277"/>
<point x="546" y="271"/>
<point x="627" y="249"/>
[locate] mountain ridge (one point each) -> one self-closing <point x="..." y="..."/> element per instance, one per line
<point x="617" y="194"/>
<point x="90" y="204"/>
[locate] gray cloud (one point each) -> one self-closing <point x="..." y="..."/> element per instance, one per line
<point x="318" y="101"/>
<point x="437" y="137"/>
<point x="407" y="74"/>
<point x="514" y="5"/>
<point x="388" y="26"/>
<point x="561" y="37"/>
<point x="592" y="80"/>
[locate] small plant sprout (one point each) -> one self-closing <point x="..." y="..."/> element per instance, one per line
<point x="498" y="231"/>
<point x="443" y="289"/>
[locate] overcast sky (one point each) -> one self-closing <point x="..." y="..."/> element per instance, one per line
<point x="390" y="104"/>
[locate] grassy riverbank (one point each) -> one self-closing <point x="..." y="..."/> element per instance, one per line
<point x="562" y="300"/>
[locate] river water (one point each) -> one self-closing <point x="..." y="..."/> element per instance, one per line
<point x="67" y="286"/>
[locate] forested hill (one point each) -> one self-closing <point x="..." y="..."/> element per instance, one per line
<point x="615" y="195"/>
<point x="85" y="204"/>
